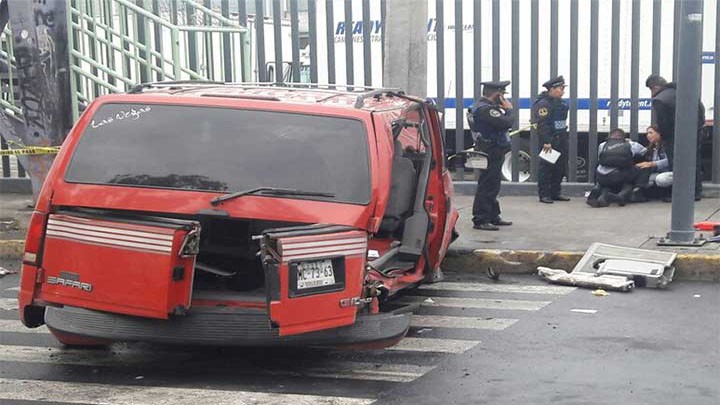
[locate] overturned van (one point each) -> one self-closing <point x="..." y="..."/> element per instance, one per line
<point x="238" y="214"/>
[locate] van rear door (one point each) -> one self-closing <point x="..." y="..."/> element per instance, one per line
<point x="314" y="276"/>
<point x="134" y="266"/>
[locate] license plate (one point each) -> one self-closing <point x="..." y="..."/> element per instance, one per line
<point x="313" y="274"/>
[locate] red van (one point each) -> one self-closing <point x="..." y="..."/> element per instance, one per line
<point x="239" y="214"/>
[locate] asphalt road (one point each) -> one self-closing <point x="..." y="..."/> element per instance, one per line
<point x="474" y="341"/>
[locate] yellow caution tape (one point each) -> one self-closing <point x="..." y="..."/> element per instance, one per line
<point x="22" y="150"/>
<point x="30" y="151"/>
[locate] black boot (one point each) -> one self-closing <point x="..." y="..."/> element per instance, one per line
<point x="602" y="200"/>
<point x="638" y="195"/>
<point x="626" y="192"/>
<point x="615" y="198"/>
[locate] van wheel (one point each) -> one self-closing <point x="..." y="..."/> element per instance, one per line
<point x="72" y="340"/>
<point x="523" y="169"/>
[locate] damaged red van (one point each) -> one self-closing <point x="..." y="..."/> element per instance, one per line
<point x="239" y="214"/>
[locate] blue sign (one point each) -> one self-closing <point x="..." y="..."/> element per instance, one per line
<point x="582" y="103"/>
<point x="708" y="57"/>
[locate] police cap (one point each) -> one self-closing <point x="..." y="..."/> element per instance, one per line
<point x="499" y="86"/>
<point x="554" y="82"/>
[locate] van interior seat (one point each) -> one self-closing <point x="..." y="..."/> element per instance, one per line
<point x="402" y="191"/>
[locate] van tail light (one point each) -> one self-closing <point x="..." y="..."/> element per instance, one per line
<point x="35" y="236"/>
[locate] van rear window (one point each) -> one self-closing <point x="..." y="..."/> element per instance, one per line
<point x="223" y="149"/>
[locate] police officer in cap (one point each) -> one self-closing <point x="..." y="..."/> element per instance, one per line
<point x="490" y="117"/>
<point x="549" y="114"/>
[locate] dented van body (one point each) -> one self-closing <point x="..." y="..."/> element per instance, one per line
<point x="239" y="214"/>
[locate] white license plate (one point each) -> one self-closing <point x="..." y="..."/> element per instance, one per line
<point x="313" y="274"/>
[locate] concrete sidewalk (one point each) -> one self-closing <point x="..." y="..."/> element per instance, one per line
<point x="556" y="235"/>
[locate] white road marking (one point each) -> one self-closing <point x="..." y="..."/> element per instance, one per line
<point x="432" y="321"/>
<point x="584" y="311"/>
<point x="499" y="288"/>
<point x="8" y="304"/>
<point x="335" y="369"/>
<point x="102" y="394"/>
<point x="13" y="289"/>
<point x="434" y="345"/>
<point x="9" y="325"/>
<point x="485" y="303"/>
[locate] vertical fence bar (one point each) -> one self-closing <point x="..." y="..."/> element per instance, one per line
<point x="459" y="127"/>
<point x="383" y="13"/>
<point x="440" y="45"/>
<point x="615" y="64"/>
<point x="208" y="45"/>
<point x="191" y="38"/>
<point x="515" y="140"/>
<point x="147" y="44"/>
<point x="635" y="71"/>
<point x="5" y="159"/>
<point x="227" y="44"/>
<point x="175" y="49"/>
<point x="157" y="28"/>
<point x="329" y="30"/>
<point x="573" y="141"/>
<point x="496" y="40"/>
<point x="260" y="41"/>
<point x="366" y="28"/>
<point x="677" y="11"/>
<point x="242" y="20"/>
<point x="477" y="48"/>
<point x="553" y="38"/>
<point x="242" y="13"/>
<point x="592" y="130"/>
<point x="109" y="53"/>
<point x="656" y="35"/>
<point x="312" y="33"/>
<point x="277" y="41"/>
<point x="534" y="141"/>
<point x="127" y="68"/>
<point x="94" y="45"/>
<point x="349" y="62"/>
<point x="295" y="39"/>
<point x="716" y="110"/>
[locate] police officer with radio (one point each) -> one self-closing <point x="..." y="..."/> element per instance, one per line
<point x="490" y="118"/>
<point x="549" y="114"/>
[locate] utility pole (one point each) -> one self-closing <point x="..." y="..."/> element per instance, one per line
<point x="682" y="232"/>
<point x="404" y="35"/>
<point x="40" y="38"/>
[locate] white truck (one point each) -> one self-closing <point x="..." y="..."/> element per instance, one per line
<point x="605" y="29"/>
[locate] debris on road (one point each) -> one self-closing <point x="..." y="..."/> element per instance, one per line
<point x="429" y="301"/>
<point x="697" y="296"/>
<point x="616" y="268"/>
<point x="5" y="272"/>
<point x="584" y="311"/>
<point x="600" y="293"/>
<point x="492" y="274"/>
<point x="587" y="280"/>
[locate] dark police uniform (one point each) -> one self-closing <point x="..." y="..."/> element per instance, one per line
<point x="490" y="123"/>
<point x="549" y="114"/>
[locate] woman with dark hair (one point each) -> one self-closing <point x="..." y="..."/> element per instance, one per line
<point x="656" y="169"/>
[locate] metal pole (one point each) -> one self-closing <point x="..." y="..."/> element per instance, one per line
<point x="573" y="141"/>
<point x="716" y="110"/>
<point x="366" y="29"/>
<point x="312" y="33"/>
<point x="515" y="140"/>
<point x="657" y="13"/>
<point x="477" y="47"/>
<point x="534" y="139"/>
<point x="686" y="125"/>
<point x="330" y="40"/>
<point x="295" y="39"/>
<point x="614" y="66"/>
<point x="260" y="40"/>
<point x="592" y="122"/>
<point x="440" y="44"/>
<point x="278" y="41"/>
<point x="635" y="71"/>
<point x="496" y="40"/>
<point x="349" y="60"/>
<point x="459" y="113"/>
<point x="553" y="38"/>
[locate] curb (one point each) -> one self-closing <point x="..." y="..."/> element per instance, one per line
<point x="688" y="266"/>
<point x="12" y="249"/>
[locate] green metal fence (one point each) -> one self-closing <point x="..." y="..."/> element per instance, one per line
<point x="116" y="44"/>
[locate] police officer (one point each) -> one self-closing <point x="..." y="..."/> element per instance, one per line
<point x="549" y="114"/>
<point x="490" y="117"/>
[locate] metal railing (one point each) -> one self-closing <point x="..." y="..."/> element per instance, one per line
<point x="116" y="44"/>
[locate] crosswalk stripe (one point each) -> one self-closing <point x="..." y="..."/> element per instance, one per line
<point x="14" y="325"/>
<point x="484" y="303"/>
<point x="433" y="321"/>
<point x="335" y="369"/>
<point x="499" y="288"/>
<point x="91" y="393"/>
<point x="434" y="345"/>
<point x="8" y="304"/>
<point x="13" y="289"/>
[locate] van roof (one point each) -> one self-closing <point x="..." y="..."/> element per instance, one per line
<point x="343" y="96"/>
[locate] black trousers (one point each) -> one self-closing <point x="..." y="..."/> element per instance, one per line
<point x="550" y="175"/>
<point x="485" y="206"/>
<point x="633" y="176"/>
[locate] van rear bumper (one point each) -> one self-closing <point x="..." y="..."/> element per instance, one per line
<point x="237" y="327"/>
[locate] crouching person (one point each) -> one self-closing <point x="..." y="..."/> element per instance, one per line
<point x="617" y="176"/>
<point x="655" y="178"/>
